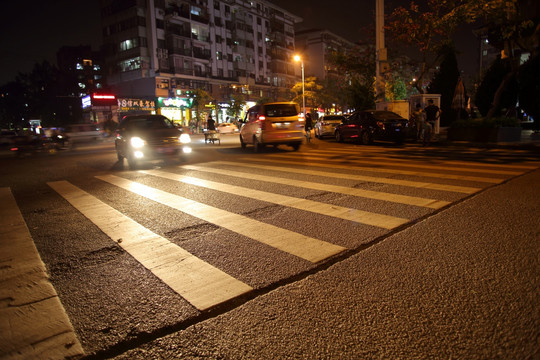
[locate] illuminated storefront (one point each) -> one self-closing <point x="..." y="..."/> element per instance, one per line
<point x="99" y="108"/>
<point x="177" y="109"/>
<point x="135" y="106"/>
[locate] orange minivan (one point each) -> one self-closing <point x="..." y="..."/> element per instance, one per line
<point x="276" y="123"/>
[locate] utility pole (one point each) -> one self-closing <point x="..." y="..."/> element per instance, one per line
<point x="381" y="56"/>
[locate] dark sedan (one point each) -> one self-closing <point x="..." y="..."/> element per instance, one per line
<point x="147" y="137"/>
<point x="370" y="125"/>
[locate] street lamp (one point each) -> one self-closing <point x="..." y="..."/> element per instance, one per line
<point x="298" y="58"/>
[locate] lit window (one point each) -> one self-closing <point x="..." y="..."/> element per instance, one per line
<point x="82" y="86"/>
<point x="79" y="66"/>
<point x="97" y="67"/>
<point x="130" y="64"/>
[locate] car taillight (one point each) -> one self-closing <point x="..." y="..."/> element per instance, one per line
<point x="300" y="117"/>
<point x="262" y="121"/>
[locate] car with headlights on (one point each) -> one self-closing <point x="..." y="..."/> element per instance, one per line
<point x="142" y="138"/>
<point x="371" y="125"/>
<point x="326" y="125"/>
<point x="276" y="123"/>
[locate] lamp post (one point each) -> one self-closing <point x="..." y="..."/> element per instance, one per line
<point x="298" y="58"/>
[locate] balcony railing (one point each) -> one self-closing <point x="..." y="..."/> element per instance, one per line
<point x="201" y="53"/>
<point x="180" y="51"/>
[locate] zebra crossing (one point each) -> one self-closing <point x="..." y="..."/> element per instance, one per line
<point x="204" y="285"/>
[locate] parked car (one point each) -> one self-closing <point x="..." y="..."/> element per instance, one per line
<point x="147" y="137"/>
<point x="370" y="125"/>
<point x="226" y="128"/>
<point x="277" y="123"/>
<point x="326" y="125"/>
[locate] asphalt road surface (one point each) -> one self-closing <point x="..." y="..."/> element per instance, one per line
<point x="337" y="251"/>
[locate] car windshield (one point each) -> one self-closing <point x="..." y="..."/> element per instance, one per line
<point x="279" y="110"/>
<point x="386" y="115"/>
<point x="150" y="123"/>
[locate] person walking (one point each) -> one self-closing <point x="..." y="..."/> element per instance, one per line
<point x="210" y="123"/>
<point x="308" y="126"/>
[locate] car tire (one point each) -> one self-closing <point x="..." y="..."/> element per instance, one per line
<point x="296" y="146"/>
<point x="242" y="143"/>
<point x="257" y="146"/>
<point x="365" y="138"/>
<point x="119" y="156"/>
<point x="339" y="137"/>
<point x="132" y="162"/>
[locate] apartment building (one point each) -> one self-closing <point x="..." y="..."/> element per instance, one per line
<point x="316" y="47"/>
<point x="161" y="50"/>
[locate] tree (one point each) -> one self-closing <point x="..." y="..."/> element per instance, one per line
<point x="429" y="30"/>
<point x="311" y="92"/>
<point x="395" y="88"/>
<point x="485" y="94"/>
<point x="508" y="22"/>
<point x="236" y="104"/>
<point x="529" y="89"/>
<point x="200" y="99"/>
<point x="13" y="109"/>
<point x="358" y="69"/>
<point x="444" y="83"/>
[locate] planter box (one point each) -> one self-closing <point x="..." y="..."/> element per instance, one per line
<point x="479" y="134"/>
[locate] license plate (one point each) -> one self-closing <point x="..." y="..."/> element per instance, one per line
<point x="165" y="150"/>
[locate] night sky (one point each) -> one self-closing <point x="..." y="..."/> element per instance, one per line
<point x="33" y="31"/>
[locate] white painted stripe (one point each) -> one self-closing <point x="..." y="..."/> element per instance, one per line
<point x="359" y="216"/>
<point x="200" y="283"/>
<point x="305" y="247"/>
<point x="400" y="163"/>
<point x="33" y="322"/>
<point x="415" y="184"/>
<point x="476" y="164"/>
<point x="378" y="195"/>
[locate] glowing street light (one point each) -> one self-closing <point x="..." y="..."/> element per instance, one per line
<point x="297" y="58"/>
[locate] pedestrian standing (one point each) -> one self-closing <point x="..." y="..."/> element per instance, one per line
<point x="420" y="119"/>
<point x="308" y="126"/>
<point x="432" y="113"/>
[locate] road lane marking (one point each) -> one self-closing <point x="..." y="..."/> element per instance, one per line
<point x="359" y="216"/>
<point x="430" y="166"/>
<point x="303" y="246"/>
<point x="523" y="166"/>
<point x="200" y="283"/>
<point x="415" y="184"/>
<point x="377" y="195"/>
<point x="33" y="320"/>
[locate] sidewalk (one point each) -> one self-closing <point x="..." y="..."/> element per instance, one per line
<point x="529" y="140"/>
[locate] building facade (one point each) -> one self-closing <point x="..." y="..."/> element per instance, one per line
<point x="316" y="47"/>
<point x="163" y="50"/>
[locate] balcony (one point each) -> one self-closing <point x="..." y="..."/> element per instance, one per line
<point x="180" y="51"/>
<point x="201" y="53"/>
